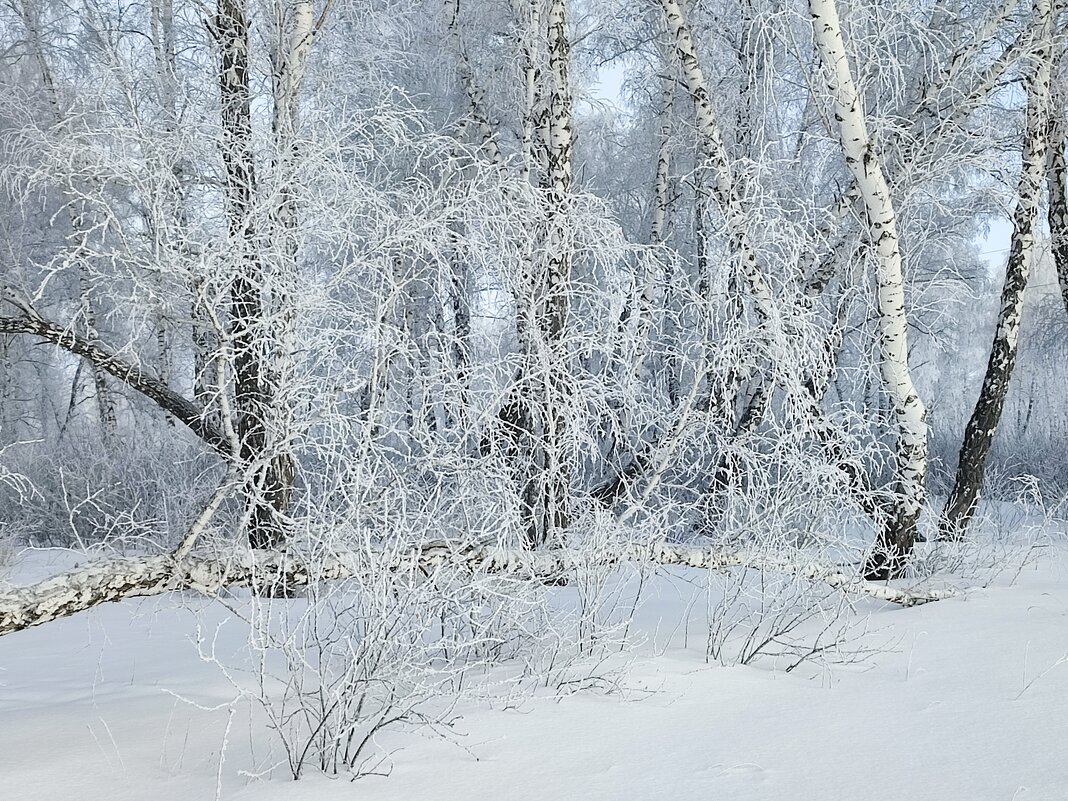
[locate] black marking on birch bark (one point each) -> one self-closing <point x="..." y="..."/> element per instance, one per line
<point x="183" y="409"/>
<point x="982" y="425"/>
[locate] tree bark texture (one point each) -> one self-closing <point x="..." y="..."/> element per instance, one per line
<point x="983" y="424"/>
<point x="268" y="492"/>
<point x="132" y="577"/>
<point x="898" y="533"/>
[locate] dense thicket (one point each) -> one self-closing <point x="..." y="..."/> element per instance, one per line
<point x="528" y="273"/>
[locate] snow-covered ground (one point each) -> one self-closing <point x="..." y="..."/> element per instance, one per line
<point x="965" y="699"/>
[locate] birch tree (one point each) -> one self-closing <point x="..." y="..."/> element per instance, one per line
<point x="554" y="302"/>
<point x="898" y="533"/>
<point x="535" y="414"/>
<point x="388" y="263"/>
<point x="983" y="424"/>
<point x="725" y="184"/>
<point x="1057" y="174"/>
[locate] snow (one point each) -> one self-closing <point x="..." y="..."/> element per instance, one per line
<point x="966" y="699"/>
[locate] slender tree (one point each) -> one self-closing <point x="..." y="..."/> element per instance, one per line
<point x="898" y="533"/>
<point x="983" y="424"/>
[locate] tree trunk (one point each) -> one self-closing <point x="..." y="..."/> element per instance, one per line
<point x="134" y="577"/>
<point x="268" y="490"/>
<point x="1057" y="181"/>
<point x="129" y="373"/>
<point x="547" y="487"/>
<point x="898" y="533"/>
<point x="983" y="424"/>
<point x="167" y="228"/>
<point x="473" y="92"/>
<point x="725" y="186"/>
<point x="528" y="17"/>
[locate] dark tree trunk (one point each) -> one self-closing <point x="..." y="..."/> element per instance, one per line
<point x="269" y="489"/>
<point x="1057" y="183"/>
<point x="979" y="434"/>
<point x="130" y="374"/>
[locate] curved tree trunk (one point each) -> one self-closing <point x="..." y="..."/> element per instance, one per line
<point x="983" y="424"/>
<point x="725" y="185"/>
<point x="898" y="533"/>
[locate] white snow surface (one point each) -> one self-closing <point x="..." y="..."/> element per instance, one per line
<point x="969" y="702"/>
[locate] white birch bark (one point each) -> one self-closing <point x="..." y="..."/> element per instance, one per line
<point x="528" y="17"/>
<point x="725" y="186"/>
<point x="296" y="29"/>
<point x="662" y="185"/>
<point x="553" y="302"/>
<point x="472" y="89"/>
<point x="943" y="105"/>
<point x="133" y="577"/>
<point x="898" y="535"/>
<point x="559" y="171"/>
<point x="659" y="222"/>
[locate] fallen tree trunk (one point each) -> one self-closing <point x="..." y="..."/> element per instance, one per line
<point x="130" y="373"/>
<point x="133" y="577"/>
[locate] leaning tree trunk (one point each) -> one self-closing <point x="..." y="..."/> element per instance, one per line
<point x="650" y="465"/>
<point x="725" y="185"/>
<point x="130" y="373"/>
<point x="185" y="568"/>
<point x="898" y="532"/>
<point x="116" y="579"/>
<point x="979" y="433"/>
